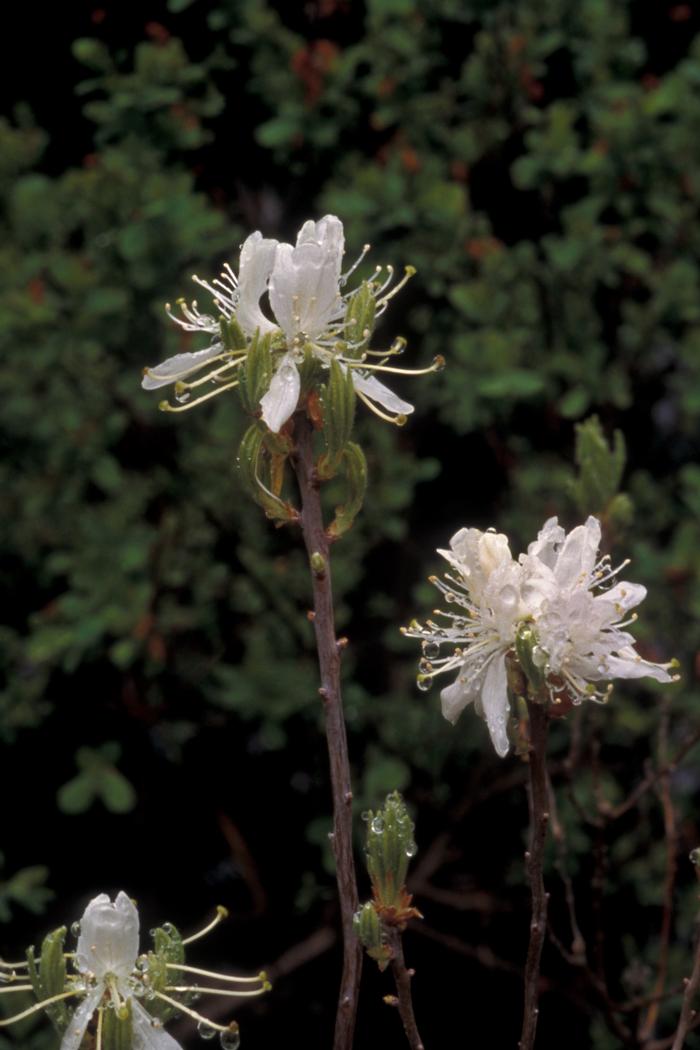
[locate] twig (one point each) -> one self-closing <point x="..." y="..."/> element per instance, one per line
<point x="534" y="860"/>
<point x="651" y="777"/>
<point x="318" y="548"/>
<point x="646" y="1028"/>
<point x="688" y="1018"/>
<point x="402" y="978"/>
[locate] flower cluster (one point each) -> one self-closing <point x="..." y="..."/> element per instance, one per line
<point x="561" y="594"/>
<point x="313" y="315"/>
<point x="126" y="995"/>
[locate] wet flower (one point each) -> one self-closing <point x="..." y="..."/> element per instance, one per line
<point x="560" y="595"/>
<point x="120" y="990"/>
<point x="580" y="613"/>
<point x="485" y="587"/>
<point x="312" y="314"/>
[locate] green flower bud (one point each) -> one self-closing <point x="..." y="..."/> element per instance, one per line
<point x="390" y="846"/>
<point x="368" y="928"/>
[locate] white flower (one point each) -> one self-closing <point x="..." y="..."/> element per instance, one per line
<point x="111" y="976"/>
<point x="558" y="589"/>
<point x="304" y="287"/>
<point x="487" y="588"/>
<point x="106" y="958"/>
<point x="580" y="614"/>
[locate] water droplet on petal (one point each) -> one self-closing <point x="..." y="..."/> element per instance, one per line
<point x="205" y="1030"/>
<point x="377" y="825"/>
<point x="509" y="597"/>
<point x="431" y="650"/>
<point x="411" y="849"/>
<point x="75" y="929"/>
<point x="424" y="683"/>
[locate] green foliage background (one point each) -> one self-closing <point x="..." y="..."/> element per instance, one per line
<point x="540" y="165"/>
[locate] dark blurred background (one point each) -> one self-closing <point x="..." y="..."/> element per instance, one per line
<point x="159" y="726"/>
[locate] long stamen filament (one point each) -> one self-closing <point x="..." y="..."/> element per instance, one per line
<point x="397" y="420"/>
<point x="410" y="271"/>
<point x="16" y="988"/>
<point x="436" y="366"/>
<point x="262" y="976"/>
<point x="38" y="1006"/>
<point x="221" y="914"/>
<point x="165" y="406"/>
<point x="213" y="375"/>
<point x="14" y="966"/>
<point x="191" y="1013"/>
<point x="214" y="991"/>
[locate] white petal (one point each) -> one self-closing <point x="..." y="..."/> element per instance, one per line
<point x="74" y="1033"/>
<point x="579" y="554"/>
<point x="304" y="290"/>
<point x="454" y="698"/>
<point x="109" y="937"/>
<point x="376" y="391"/>
<point x="629" y="664"/>
<point x="257" y="258"/>
<point x="146" y="1035"/>
<point x="281" y="399"/>
<point x="494" y="702"/>
<point x="623" y="596"/>
<point x="177" y="367"/>
<point x="549" y="538"/>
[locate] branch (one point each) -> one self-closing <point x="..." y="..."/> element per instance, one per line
<point x="329" y="650"/>
<point x="688" y="1018"/>
<point x="534" y="860"/>
<point x="669" y="814"/>
<point x="651" y="778"/>
<point x="402" y="977"/>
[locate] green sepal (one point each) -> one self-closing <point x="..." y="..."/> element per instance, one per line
<point x="359" y="320"/>
<point x="256" y="373"/>
<point x="338" y="418"/>
<point x="368" y="928"/>
<point x="525" y="644"/>
<point x="167" y="948"/>
<point x="390" y="846"/>
<point x="49" y="978"/>
<point x="232" y="335"/>
<point x="250" y="462"/>
<point x="354" y="465"/>
<point x="117" y="1029"/>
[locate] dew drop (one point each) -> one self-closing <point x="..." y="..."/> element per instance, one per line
<point x="377" y="825"/>
<point x="183" y="398"/>
<point x="509" y="597"/>
<point x="75" y="929"/>
<point x="411" y="849"/>
<point x="142" y="964"/>
<point x="431" y="650"/>
<point x="168" y="928"/>
<point x="423" y="683"/>
<point x="425" y="666"/>
<point x="366" y="814"/>
<point x="205" y="1030"/>
<point x="449" y="597"/>
<point x="230" y="1040"/>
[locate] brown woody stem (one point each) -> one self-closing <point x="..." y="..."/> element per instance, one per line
<point x="534" y="859"/>
<point x="688" y="1018"/>
<point x="402" y="978"/>
<point x="329" y="650"/>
